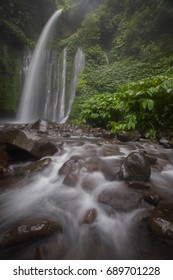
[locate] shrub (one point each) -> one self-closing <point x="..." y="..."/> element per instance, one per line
<point x="145" y="105"/>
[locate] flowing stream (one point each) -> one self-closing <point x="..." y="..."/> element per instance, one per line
<point x="113" y="234"/>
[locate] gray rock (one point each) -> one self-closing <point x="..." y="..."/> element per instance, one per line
<point x="126" y="136"/>
<point x="161" y="221"/>
<point x="34" y="145"/>
<point x="135" y="167"/>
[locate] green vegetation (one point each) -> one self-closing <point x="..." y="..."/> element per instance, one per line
<point x="128" y="48"/>
<point x="146" y="105"/>
<point x="126" y="44"/>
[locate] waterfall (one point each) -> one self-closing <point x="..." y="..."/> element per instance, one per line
<point x="78" y="66"/>
<point x="46" y="93"/>
<point x="32" y="99"/>
<point x="51" y="85"/>
<point x="66" y="94"/>
<point x="24" y="67"/>
<point x="61" y="89"/>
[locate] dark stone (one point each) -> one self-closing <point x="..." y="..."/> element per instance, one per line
<point x="4" y="157"/>
<point x="34" y="145"/>
<point x="161" y="221"/>
<point x="73" y="164"/>
<point x="135" y="167"/>
<point x="29" y="231"/>
<point x="40" y="125"/>
<point x="126" y="136"/>
<point x="66" y="135"/>
<point x="120" y="201"/>
<point x="71" y="179"/>
<point x="152" y="198"/>
<point x="165" y="143"/>
<point x="90" y="216"/>
<point x="138" y="186"/>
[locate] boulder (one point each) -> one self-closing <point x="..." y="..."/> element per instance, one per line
<point x="71" y="179"/>
<point x="126" y="136"/>
<point x="75" y="163"/>
<point x="30" y="143"/>
<point x="40" y="125"/>
<point x="135" y="167"/>
<point x="120" y="201"/>
<point x="161" y="221"/>
<point x="29" y="231"/>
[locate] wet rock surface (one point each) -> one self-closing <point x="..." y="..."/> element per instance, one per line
<point x="119" y="200"/>
<point x="161" y="221"/>
<point x="33" y="166"/>
<point x="135" y="167"/>
<point x="29" y="231"/>
<point x="138" y="185"/>
<point x="33" y="144"/>
<point x="90" y="216"/>
<point x="113" y="194"/>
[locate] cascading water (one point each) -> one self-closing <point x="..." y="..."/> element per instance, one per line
<point x="62" y="88"/>
<point x="45" y="92"/>
<point x="32" y="99"/>
<point x="51" y="85"/>
<point x="24" y="68"/>
<point x="102" y="218"/>
<point x="78" y="66"/>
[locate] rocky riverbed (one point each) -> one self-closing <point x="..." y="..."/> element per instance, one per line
<point x="70" y="192"/>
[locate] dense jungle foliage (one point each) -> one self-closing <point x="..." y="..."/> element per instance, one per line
<point x="128" y="46"/>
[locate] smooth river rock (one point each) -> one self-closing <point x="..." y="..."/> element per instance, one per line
<point x="29" y="231"/>
<point x="161" y="221"/>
